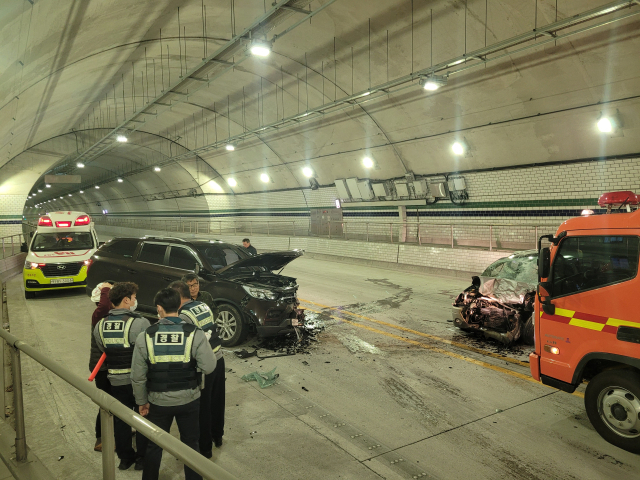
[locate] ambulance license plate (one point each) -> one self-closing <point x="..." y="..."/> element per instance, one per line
<point x="56" y="281"/>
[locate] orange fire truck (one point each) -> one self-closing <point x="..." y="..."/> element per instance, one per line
<point x="589" y="322"/>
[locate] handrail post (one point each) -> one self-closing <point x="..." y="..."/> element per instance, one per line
<point x="108" y="445"/>
<point x="535" y="240"/>
<point x="12" y="246"/>
<point x="2" y="247"/>
<point x="391" y="231"/>
<point x="452" y="235"/>
<point x="367" y="231"/>
<point x="18" y="405"/>
<point x="490" y="237"/>
<point x="344" y="230"/>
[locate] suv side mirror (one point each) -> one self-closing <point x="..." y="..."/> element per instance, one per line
<point x="24" y="248"/>
<point x="196" y="269"/>
<point x="101" y="243"/>
<point x="544" y="262"/>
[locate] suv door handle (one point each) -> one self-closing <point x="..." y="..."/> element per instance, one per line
<point x="131" y="271"/>
<point x="167" y="279"/>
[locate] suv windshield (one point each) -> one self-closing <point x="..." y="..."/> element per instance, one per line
<point x="62" y="241"/>
<point x="522" y="268"/>
<point x="220" y="254"/>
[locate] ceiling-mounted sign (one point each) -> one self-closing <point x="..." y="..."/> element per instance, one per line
<point x="62" y="179"/>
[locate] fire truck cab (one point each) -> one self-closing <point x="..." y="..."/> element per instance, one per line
<point x="59" y="253"/>
<point x="589" y="322"/>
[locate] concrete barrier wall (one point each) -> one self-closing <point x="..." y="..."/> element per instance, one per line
<point x="11" y="265"/>
<point x="459" y="262"/>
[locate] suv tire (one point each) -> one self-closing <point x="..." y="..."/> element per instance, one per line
<point x="612" y="401"/>
<point x="231" y="327"/>
<point x="528" y="332"/>
<point x="29" y="295"/>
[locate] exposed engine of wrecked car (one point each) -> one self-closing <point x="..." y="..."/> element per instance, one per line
<point x="499" y="307"/>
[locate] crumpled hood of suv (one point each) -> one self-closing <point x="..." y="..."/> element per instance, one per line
<point x="271" y="261"/>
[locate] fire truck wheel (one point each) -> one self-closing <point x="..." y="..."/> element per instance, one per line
<point x="612" y="401"/>
<point x="528" y="332"/>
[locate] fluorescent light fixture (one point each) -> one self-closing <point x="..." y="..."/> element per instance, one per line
<point x="60" y="196"/>
<point x="260" y="48"/>
<point x="80" y="165"/>
<point x="39" y="191"/>
<point x="433" y="82"/>
<point x="338" y="203"/>
<point x="48" y="186"/>
<point x="81" y="191"/>
<point x="265" y="178"/>
<point x="460" y="147"/>
<point x="307" y="171"/>
<point x="605" y="125"/>
<point x="367" y="162"/>
<point x="121" y="138"/>
<point x="97" y="187"/>
<point x="120" y="180"/>
<point x="70" y="195"/>
<point x="156" y="169"/>
<point x="232" y="182"/>
<point x="230" y="147"/>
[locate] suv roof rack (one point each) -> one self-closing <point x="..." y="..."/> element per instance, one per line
<point x="164" y="238"/>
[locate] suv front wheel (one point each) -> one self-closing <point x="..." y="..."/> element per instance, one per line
<point x="231" y="327"/>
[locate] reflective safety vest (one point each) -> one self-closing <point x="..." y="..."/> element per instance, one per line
<point x="171" y="367"/>
<point x="202" y="316"/>
<point x="114" y="334"/>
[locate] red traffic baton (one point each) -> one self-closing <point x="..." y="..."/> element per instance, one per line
<point x="97" y="369"/>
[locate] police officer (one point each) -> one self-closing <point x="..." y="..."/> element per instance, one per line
<point x="165" y="377"/>
<point x="213" y="392"/>
<point x="116" y="335"/>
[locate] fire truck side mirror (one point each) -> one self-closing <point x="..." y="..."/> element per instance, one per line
<point x="544" y="262"/>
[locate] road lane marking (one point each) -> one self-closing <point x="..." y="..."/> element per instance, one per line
<point x="426" y="335"/>
<point x="439" y="350"/>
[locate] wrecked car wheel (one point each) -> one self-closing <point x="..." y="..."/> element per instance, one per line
<point x="612" y="401"/>
<point x="230" y="324"/>
<point x="528" y="333"/>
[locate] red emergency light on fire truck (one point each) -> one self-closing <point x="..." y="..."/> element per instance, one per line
<point x="588" y="324"/>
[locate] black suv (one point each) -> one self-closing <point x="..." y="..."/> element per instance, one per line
<point x="247" y="294"/>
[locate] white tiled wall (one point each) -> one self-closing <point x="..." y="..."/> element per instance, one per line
<point x="11" y="207"/>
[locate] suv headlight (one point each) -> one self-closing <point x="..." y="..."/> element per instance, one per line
<point x="261" y="293"/>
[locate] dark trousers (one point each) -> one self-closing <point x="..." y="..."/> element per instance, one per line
<point x="124" y="448"/>
<point x="217" y="400"/>
<point x="187" y="418"/>
<point x="102" y="382"/>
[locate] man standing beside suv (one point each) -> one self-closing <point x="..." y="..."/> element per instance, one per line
<point x="193" y="282"/>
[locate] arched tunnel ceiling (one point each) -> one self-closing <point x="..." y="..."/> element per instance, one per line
<point x="77" y="65"/>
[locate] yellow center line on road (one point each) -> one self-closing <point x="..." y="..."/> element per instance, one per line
<point x="440" y="350"/>
<point x="422" y="334"/>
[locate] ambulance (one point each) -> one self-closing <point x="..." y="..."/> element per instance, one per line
<point x="588" y="324"/>
<point x="60" y="253"/>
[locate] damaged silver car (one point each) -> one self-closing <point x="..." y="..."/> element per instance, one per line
<point x="499" y="303"/>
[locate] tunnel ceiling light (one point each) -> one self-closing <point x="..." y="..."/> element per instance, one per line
<point x="48" y="186"/>
<point x="156" y="169"/>
<point x="307" y="171"/>
<point x="265" y="178"/>
<point x="230" y="147"/>
<point x="605" y="125"/>
<point x="232" y="182"/>
<point x="121" y="139"/>
<point x="120" y="180"/>
<point x="80" y="165"/>
<point x="367" y="162"/>
<point x="39" y="191"/>
<point x="81" y="191"/>
<point x="433" y="82"/>
<point x="460" y="147"/>
<point x="70" y="195"/>
<point x="60" y="196"/>
<point x="260" y="48"/>
<point x="97" y="187"/>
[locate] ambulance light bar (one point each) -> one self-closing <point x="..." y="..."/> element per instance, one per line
<point x="45" y="222"/>
<point x="618" y="198"/>
<point x="82" y="220"/>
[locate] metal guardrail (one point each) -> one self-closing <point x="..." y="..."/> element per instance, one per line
<point x="493" y="236"/>
<point x="9" y="246"/>
<point x="109" y="407"/>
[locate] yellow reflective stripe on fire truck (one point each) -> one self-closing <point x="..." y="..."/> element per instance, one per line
<point x="565" y="313"/>
<point x="586" y="324"/>
<point x="622" y="323"/>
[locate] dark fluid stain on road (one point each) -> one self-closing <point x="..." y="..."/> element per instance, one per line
<point x="394" y="301"/>
<point x="477" y="340"/>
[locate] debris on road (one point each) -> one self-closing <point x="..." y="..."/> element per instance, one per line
<point x="298" y="341"/>
<point x="244" y="354"/>
<point x="264" y="379"/>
